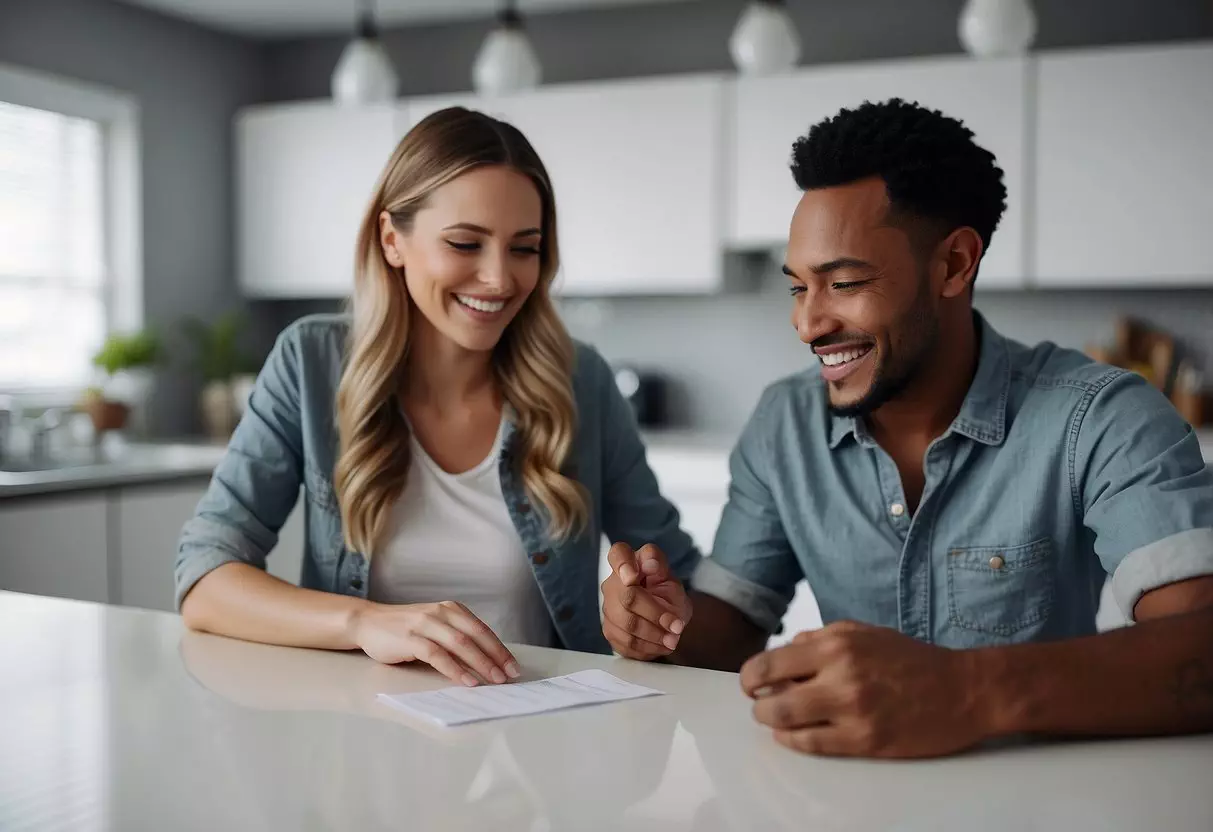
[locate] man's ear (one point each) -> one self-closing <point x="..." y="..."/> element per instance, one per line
<point x="960" y="252"/>
<point x="389" y="240"/>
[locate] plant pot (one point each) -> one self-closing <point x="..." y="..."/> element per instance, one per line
<point x="242" y="388"/>
<point x="107" y="415"/>
<point x="218" y="410"/>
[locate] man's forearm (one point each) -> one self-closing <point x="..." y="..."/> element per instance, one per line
<point x="1152" y="678"/>
<point x="718" y="637"/>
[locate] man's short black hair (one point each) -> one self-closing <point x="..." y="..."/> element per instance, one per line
<point x="931" y="167"/>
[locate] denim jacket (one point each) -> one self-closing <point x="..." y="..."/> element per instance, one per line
<point x="288" y="439"/>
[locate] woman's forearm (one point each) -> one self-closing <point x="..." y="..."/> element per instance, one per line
<point x="245" y="602"/>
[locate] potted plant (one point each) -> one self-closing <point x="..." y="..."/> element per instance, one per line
<point x="127" y="360"/>
<point x="225" y="369"/>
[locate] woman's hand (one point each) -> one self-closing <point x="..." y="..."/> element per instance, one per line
<point x="446" y="636"/>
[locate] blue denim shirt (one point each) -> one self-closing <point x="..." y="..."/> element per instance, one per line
<point x="1057" y="472"/>
<point x="287" y="439"/>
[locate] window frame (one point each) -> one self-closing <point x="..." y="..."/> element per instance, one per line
<point x="118" y="114"/>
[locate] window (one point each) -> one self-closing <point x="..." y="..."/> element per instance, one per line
<point x="68" y="229"/>
<point x="52" y="257"/>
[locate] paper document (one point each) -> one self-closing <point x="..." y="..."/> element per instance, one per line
<point x="458" y="706"/>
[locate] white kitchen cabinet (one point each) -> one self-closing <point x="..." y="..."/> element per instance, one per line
<point x="769" y="114"/>
<point x="305" y="173"/>
<point x="1125" y="162"/>
<point x="55" y="546"/>
<point x="148" y="526"/>
<point x="637" y="168"/>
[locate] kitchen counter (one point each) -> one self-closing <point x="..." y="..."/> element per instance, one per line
<point x="691" y="459"/>
<point x="126" y="465"/>
<point x="124" y="720"/>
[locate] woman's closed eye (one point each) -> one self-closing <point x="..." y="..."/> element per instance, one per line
<point x="472" y="246"/>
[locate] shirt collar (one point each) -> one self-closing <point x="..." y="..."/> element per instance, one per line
<point x="983" y="414"/>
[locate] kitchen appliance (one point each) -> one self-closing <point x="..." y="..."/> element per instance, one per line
<point x="647" y="393"/>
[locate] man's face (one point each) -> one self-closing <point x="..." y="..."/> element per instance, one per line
<point x="862" y="295"/>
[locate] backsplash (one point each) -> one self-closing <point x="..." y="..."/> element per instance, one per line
<point x="719" y="352"/>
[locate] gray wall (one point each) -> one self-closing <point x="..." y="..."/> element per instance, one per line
<point x="189" y="82"/>
<point x="720" y="351"/>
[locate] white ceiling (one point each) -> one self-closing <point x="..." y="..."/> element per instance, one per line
<point x="278" y="18"/>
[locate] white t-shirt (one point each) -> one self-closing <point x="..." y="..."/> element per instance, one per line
<point x="450" y="538"/>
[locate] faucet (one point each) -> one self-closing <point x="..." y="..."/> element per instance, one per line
<point x="8" y="415"/>
<point x="41" y="430"/>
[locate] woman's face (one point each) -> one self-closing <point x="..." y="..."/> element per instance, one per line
<point x="471" y="258"/>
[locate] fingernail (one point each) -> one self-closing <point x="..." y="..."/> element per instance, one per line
<point x="649" y="566"/>
<point x="497" y="676"/>
<point x="670" y="641"/>
<point x="469" y="680"/>
<point x="512" y="670"/>
<point x="627" y="574"/>
<point x="761" y="692"/>
<point x="676" y="627"/>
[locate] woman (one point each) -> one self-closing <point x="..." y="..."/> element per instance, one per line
<point x="461" y="457"/>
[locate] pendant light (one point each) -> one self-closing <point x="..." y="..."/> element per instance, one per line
<point x="997" y="28"/>
<point x="364" y="73"/>
<point x="765" y="40"/>
<point x="506" y="61"/>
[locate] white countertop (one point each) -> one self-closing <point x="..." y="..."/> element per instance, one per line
<point x="118" y="719"/>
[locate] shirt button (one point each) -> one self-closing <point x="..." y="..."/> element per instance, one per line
<point x="539" y="558"/>
<point x="996" y="562"/>
<point x="356" y="583"/>
<point x="524" y="508"/>
<point x="897" y="509"/>
<point x="564" y="613"/>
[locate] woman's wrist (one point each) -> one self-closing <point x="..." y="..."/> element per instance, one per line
<point x="355" y="620"/>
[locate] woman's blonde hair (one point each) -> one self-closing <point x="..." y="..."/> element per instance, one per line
<point x="533" y="362"/>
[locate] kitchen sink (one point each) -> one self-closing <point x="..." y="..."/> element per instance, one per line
<point x="119" y="458"/>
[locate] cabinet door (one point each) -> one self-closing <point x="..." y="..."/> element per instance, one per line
<point x="55" y="545"/>
<point x="305" y="174"/>
<point x="636" y="167"/>
<point x="148" y="525"/>
<point x="1125" y="164"/>
<point x="149" y="522"/>
<point x="769" y="114"/>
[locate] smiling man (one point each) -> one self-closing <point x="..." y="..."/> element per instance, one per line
<point x="955" y="499"/>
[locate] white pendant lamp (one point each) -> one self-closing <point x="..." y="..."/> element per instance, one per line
<point x="506" y="61"/>
<point x="764" y="41"/>
<point x="997" y="28"/>
<point x="364" y="73"/>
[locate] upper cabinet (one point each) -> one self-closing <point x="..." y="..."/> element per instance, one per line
<point x="1124" y="175"/>
<point x="305" y="174"/>
<point x="638" y="171"/>
<point x="989" y="96"/>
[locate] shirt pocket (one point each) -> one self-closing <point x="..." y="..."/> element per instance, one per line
<point x="1001" y="590"/>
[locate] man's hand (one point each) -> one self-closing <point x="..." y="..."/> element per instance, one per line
<point x="645" y="608"/>
<point x="856" y="690"/>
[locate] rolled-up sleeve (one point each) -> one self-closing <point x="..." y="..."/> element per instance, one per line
<point x="1144" y="489"/>
<point x="752" y="566"/>
<point x="256" y="484"/>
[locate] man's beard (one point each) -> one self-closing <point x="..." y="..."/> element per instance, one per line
<point x="920" y="324"/>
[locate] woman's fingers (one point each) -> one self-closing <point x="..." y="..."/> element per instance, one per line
<point x="462" y="619"/>
<point x="442" y="661"/>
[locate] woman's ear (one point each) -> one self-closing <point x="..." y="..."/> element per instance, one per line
<point x="390" y="240"/>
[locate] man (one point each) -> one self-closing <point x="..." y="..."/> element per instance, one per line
<point x="940" y="487"/>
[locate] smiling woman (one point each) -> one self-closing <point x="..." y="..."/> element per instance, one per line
<point x="462" y="456"/>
